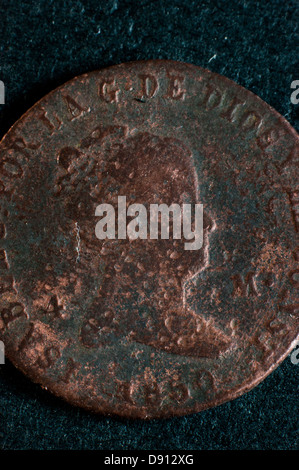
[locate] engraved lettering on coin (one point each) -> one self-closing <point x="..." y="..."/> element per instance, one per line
<point x="140" y="326"/>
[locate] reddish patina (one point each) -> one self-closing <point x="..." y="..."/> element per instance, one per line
<point x="145" y="328"/>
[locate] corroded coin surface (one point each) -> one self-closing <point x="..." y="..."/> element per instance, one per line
<point x="141" y="326"/>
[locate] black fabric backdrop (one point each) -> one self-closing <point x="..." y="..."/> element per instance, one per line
<point x="43" y="44"/>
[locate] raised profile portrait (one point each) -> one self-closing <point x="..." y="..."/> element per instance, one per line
<point x="142" y="293"/>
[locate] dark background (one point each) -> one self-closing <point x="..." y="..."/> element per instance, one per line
<point x="43" y="44"/>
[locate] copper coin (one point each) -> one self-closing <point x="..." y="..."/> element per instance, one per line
<point x="143" y="327"/>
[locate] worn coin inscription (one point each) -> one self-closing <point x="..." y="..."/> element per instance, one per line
<point x="142" y="327"/>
